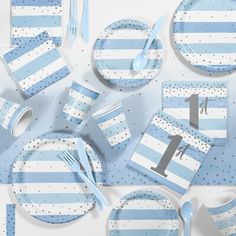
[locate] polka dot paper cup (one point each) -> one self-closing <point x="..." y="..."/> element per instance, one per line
<point x="14" y="117"/>
<point x="81" y="98"/>
<point x="222" y="209"/>
<point x="112" y="121"/>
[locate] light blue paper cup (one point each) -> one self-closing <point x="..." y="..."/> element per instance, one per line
<point x="14" y="117"/>
<point x="81" y="98"/>
<point x="222" y="209"/>
<point x="112" y="121"/>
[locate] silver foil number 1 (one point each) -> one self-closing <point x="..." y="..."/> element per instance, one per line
<point x="194" y="114"/>
<point x="168" y="155"/>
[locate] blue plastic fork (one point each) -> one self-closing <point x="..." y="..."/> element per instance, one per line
<point x="72" y="27"/>
<point x="83" y="157"/>
<point x="74" y="165"/>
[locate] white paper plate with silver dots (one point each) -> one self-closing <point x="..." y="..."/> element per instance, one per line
<point x="205" y="34"/>
<point x="116" y="48"/>
<point x="45" y="187"/>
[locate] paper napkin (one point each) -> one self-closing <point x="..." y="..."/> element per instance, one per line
<point x="203" y="105"/>
<point x="36" y="64"/>
<point x="31" y="17"/>
<point x="170" y="152"/>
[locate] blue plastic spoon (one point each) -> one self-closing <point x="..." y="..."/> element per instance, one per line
<point x="186" y="212"/>
<point x="141" y="60"/>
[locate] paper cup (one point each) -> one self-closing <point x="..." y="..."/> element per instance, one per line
<point x="112" y="122"/>
<point x="14" y="117"/>
<point x="81" y="98"/>
<point x="222" y="209"/>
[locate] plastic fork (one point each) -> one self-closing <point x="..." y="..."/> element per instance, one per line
<point x="74" y="165"/>
<point x="83" y="157"/>
<point x="72" y="27"/>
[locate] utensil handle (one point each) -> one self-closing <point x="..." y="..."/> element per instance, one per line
<point x="93" y="188"/>
<point x="75" y="9"/>
<point x="154" y="32"/>
<point x="84" y="159"/>
<point x="187" y="228"/>
<point x="85" y="21"/>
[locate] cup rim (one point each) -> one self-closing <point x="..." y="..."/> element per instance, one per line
<point x="88" y="86"/>
<point x="28" y="112"/>
<point x="106" y="110"/>
<point x="211" y="201"/>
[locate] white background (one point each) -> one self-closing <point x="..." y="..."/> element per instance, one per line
<point x="104" y="12"/>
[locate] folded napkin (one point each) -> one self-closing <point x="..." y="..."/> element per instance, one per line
<point x="36" y="64"/>
<point x="31" y="17"/>
<point x="170" y="152"/>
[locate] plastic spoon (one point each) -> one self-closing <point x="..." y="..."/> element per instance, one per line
<point x="186" y="212"/>
<point x="141" y="60"/>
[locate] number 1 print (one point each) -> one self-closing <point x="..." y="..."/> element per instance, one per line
<point x="168" y="155"/>
<point x="194" y="113"/>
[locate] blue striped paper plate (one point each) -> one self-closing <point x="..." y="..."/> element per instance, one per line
<point x="204" y="33"/>
<point x="144" y="213"/>
<point x="45" y="187"/>
<point x="116" y="48"/>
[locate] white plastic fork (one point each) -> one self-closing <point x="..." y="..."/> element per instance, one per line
<point x="74" y="165"/>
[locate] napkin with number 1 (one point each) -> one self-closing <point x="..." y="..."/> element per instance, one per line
<point x="170" y="152"/>
<point x="203" y="105"/>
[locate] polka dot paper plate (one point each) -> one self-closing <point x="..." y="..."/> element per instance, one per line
<point x="205" y="32"/>
<point x="116" y="48"/>
<point x="45" y="187"/>
<point x="144" y="213"/>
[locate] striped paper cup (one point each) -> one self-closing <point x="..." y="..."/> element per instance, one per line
<point x="14" y="117"/>
<point x="222" y="209"/>
<point x="81" y="98"/>
<point x="112" y="121"/>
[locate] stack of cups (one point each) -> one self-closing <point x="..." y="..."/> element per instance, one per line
<point x="14" y="117"/>
<point x="222" y="209"/>
<point x="81" y="98"/>
<point x="112" y="122"/>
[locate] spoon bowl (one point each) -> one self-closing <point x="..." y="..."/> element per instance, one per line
<point x="140" y="61"/>
<point x="186" y="213"/>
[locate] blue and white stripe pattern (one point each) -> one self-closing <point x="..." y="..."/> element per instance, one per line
<point x="204" y="33"/>
<point x="36" y="64"/>
<point x="10" y="114"/>
<point x="116" y="48"/>
<point x="144" y="213"/>
<point x="185" y="161"/>
<point x="212" y="101"/>
<point x="31" y="17"/>
<point x="7" y="219"/>
<point x="43" y="184"/>
<point x="225" y="218"/>
<point x="79" y="102"/>
<point x="114" y="126"/>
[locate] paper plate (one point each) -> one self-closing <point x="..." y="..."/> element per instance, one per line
<point x="205" y="32"/>
<point x="144" y="213"/>
<point x="116" y="48"/>
<point x="45" y="187"/>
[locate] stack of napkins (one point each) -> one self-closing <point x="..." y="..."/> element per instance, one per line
<point x="36" y="64"/>
<point x="171" y="152"/>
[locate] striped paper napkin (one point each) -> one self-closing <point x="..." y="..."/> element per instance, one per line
<point x="171" y="152"/>
<point x="203" y="105"/>
<point x="31" y="17"/>
<point x="7" y="219"/>
<point x="36" y="64"/>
